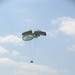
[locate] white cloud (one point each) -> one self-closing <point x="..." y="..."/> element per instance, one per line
<point x="66" y="25"/>
<point x="52" y="33"/>
<point x="23" y="68"/>
<point x="29" y="20"/>
<point x="3" y="50"/>
<point x="36" y="67"/>
<point x="72" y="48"/>
<point x="15" y="53"/>
<point x="6" y="61"/>
<point x="19" y="55"/>
<point x="11" y="39"/>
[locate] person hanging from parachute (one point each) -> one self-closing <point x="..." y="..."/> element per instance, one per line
<point x="29" y="35"/>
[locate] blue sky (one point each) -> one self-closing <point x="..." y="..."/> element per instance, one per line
<point x="53" y="54"/>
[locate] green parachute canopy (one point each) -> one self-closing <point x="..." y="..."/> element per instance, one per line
<point x="28" y="35"/>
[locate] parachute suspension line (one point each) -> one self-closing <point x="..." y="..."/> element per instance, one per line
<point x="31" y="52"/>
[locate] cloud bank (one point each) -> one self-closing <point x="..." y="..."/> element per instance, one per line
<point x="11" y="39"/>
<point x="24" y="68"/>
<point x="3" y="50"/>
<point x="65" y="25"/>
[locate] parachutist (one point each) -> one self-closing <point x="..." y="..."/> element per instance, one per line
<point x="29" y="35"/>
<point x="31" y="61"/>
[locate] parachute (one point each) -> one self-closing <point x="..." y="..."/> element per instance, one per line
<point x="29" y="35"/>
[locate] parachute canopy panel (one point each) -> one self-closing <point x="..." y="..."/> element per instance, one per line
<point x="38" y="32"/>
<point x="27" y="32"/>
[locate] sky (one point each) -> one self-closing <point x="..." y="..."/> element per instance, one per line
<point x="53" y="54"/>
